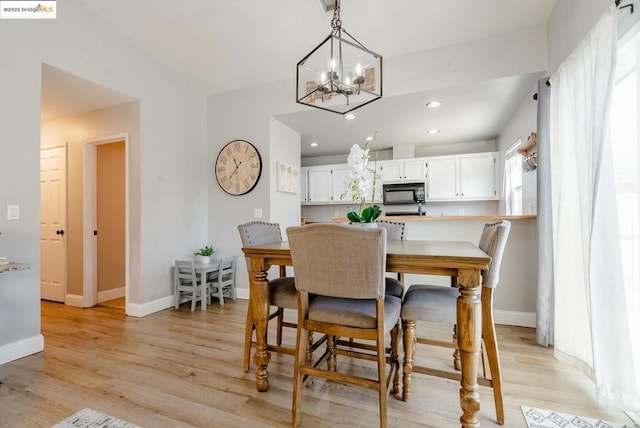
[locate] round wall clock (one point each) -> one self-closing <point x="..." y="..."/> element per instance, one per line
<point x="238" y="167"/>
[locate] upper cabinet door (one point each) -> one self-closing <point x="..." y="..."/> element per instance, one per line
<point x="478" y="176"/>
<point x="304" y="197"/>
<point x="415" y="170"/>
<point x="442" y="179"/>
<point x="319" y="185"/>
<point x="392" y="171"/>
<point x="340" y="179"/>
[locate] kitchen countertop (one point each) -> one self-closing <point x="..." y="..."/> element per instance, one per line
<point x="446" y="217"/>
<point x="14" y="266"/>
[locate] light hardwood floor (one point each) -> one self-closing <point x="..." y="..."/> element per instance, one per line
<point x="178" y="368"/>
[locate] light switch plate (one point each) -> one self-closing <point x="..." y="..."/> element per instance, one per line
<point x="13" y="212"/>
<point x="257" y="213"/>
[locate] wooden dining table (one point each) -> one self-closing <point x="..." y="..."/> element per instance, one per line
<point x="462" y="260"/>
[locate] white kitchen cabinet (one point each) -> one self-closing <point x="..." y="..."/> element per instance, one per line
<point x="404" y="170"/>
<point x="339" y="179"/>
<point x="324" y="185"/>
<point x="465" y="177"/>
<point x="478" y="176"/>
<point x="442" y="179"/>
<point x="304" y="185"/>
<point x="319" y="184"/>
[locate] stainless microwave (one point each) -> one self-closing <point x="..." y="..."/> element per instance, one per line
<point x="403" y="193"/>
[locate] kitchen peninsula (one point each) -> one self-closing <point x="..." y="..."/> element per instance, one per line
<point x="515" y="297"/>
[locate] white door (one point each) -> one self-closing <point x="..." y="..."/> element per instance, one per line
<point x="53" y="222"/>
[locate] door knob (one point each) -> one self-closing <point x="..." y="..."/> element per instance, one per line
<point x="60" y="232"/>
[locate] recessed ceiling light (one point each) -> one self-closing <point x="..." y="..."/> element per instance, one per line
<point x="349" y="116"/>
<point x="433" y="131"/>
<point x="433" y="104"/>
<point x="314" y="144"/>
<point x="369" y="138"/>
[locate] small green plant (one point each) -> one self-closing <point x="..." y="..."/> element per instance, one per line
<point x="205" y="251"/>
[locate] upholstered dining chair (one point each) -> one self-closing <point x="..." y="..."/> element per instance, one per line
<point x="224" y="280"/>
<point x="186" y="286"/>
<point x="395" y="230"/>
<point x="343" y="267"/>
<point x="438" y="304"/>
<point x="282" y="291"/>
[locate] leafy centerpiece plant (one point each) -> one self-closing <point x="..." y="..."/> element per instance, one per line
<point x="361" y="185"/>
<point x="204" y="254"/>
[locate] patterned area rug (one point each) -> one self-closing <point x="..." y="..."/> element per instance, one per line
<point x="89" y="418"/>
<point x="541" y="418"/>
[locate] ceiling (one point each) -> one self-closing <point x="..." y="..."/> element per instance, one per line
<point x="225" y="45"/>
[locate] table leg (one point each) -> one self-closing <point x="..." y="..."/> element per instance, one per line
<point x="203" y="292"/>
<point x="259" y="295"/>
<point x="469" y="325"/>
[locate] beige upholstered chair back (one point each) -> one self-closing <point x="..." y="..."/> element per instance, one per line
<point x="258" y="233"/>
<point x="492" y="241"/>
<point x="339" y="260"/>
<point x="395" y="229"/>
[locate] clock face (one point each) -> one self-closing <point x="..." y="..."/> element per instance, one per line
<point x="238" y="167"/>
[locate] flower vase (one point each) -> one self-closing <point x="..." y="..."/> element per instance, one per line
<point x="202" y="259"/>
<point x="366" y="225"/>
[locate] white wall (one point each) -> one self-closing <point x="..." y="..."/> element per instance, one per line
<point x="569" y="22"/>
<point x="168" y="166"/>
<point x="284" y="147"/>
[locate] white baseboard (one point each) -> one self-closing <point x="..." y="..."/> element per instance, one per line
<point x="520" y="319"/>
<point x="114" y="293"/>
<point x="21" y="348"/>
<point x="74" y="300"/>
<point x="144" y="309"/>
<point x="242" y="293"/>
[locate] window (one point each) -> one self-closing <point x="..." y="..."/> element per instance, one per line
<point x="513" y="180"/>
<point x="626" y="159"/>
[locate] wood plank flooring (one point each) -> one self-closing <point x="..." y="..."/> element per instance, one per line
<point x="178" y="368"/>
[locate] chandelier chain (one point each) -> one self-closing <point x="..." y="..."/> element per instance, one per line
<point x="336" y="22"/>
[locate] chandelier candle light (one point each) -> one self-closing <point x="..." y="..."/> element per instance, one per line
<point x="340" y="74"/>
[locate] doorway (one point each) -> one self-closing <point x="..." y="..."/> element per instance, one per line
<point x="105" y="221"/>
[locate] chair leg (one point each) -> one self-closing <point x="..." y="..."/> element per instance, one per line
<point x="491" y="345"/>
<point x="409" y="342"/>
<point x="302" y="345"/>
<point x="395" y="333"/>
<point x="309" y="357"/>
<point x="248" y="333"/>
<point x="331" y="348"/>
<point x="279" y="331"/>
<point x="194" y="297"/>
<point x="382" y="378"/>
<point x="220" y="295"/>
<point x="456" y="354"/>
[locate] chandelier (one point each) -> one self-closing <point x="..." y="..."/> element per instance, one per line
<point x="340" y="74"/>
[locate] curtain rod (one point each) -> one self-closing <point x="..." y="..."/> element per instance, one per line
<point x="630" y="5"/>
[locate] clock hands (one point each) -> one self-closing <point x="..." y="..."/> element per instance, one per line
<point x="237" y="166"/>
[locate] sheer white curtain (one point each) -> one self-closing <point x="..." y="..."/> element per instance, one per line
<point x="591" y="317"/>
